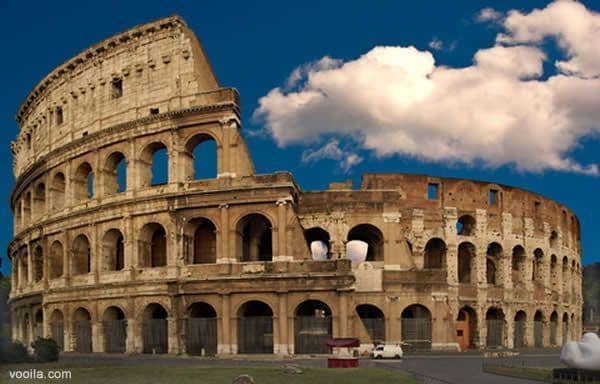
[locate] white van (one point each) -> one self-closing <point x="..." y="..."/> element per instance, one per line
<point x="393" y="351"/>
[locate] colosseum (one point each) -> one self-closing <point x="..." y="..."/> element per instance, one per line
<point x="111" y="255"/>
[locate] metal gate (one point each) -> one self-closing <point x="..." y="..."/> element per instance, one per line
<point x="38" y="331"/>
<point x="565" y="332"/>
<point x="417" y="334"/>
<point x="156" y="339"/>
<point x="255" y="334"/>
<point x="311" y="334"/>
<point x="115" y="335"/>
<point x="57" y="331"/>
<point x="202" y="335"/>
<point x="538" y="334"/>
<point x="520" y="334"/>
<point x="83" y="336"/>
<point x="553" y="329"/>
<point x="494" y="333"/>
<point x="375" y="328"/>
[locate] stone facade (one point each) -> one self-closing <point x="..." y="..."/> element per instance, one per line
<point x="106" y="258"/>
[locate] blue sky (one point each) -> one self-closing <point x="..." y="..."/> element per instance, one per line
<point x="255" y="46"/>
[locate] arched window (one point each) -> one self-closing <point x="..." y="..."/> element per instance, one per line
<point x="57" y="191"/>
<point x="82" y="258"/>
<point x="465" y="225"/>
<point x="519" y="260"/>
<point x="554" y="272"/>
<point x="83" y="182"/>
<point x="27" y="208"/>
<point x="538" y="265"/>
<point x="371" y="235"/>
<point x="114" y="250"/>
<point x="39" y="200"/>
<point x="553" y="239"/>
<point x="154" y="165"/>
<point x="153" y="243"/>
<point x="317" y="240"/>
<point x="435" y="254"/>
<point x="115" y="173"/>
<point x="466" y="256"/>
<point x="201" y="237"/>
<point x="38" y="263"/>
<point x="201" y="162"/>
<point x="55" y="266"/>
<point x="493" y="263"/>
<point x="254" y="238"/>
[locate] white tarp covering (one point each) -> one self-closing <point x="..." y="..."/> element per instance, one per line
<point x="319" y="250"/>
<point x="584" y="354"/>
<point x="356" y="251"/>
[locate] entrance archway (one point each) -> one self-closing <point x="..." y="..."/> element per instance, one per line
<point x="520" y="329"/>
<point x="466" y="328"/>
<point x="538" y="329"/>
<point x="495" y="327"/>
<point x="155" y="329"/>
<point x="201" y="335"/>
<point x="312" y="327"/>
<point x="82" y="327"/>
<point x="373" y="321"/>
<point x="255" y="328"/>
<point x="57" y="328"/>
<point x="115" y="330"/>
<point x="416" y="327"/>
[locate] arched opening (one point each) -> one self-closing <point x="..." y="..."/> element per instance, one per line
<point x="24" y="266"/>
<point x="27" y="208"/>
<point x="115" y="330"/>
<point x="82" y="258"/>
<point x="38" y="324"/>
<point x="201" y="237"/>
<point x="154" y="165"/>
<point x="201" y="329"/>
<point x="83" y="182"/>
<point x="114" y="250"/>
<point x="416" y="328"/>
<point x="18" y="215"/>
<point x="82" y="327"/>
<point x="466" y="257"/>
<point x="495" y="327"/>
<point x="538" y="265"/>
<point x="554" y="272"/>
<point x="538" y="329"/>
<point x="201" y="152"/>
<point x="153" y="245"/>
<point x="57" y="191"/>
<point x="519" y="260"/>
<point x="493" y="264"/>
<point x="435" y="254"/>
<point x="39" y="200"/>
<point x="565" y="328"/>
<point x="553" y="328"/>
<point x="255" y="328"/>
<point x="155" y="330"/>
<point x="312" y="327"/>
<point x="372" y="236"/>
<point x="254" y="238"/>
<point x="373" y="322"/>
<point x="57" y="328"/>
<point x="466" y="328"/>
<point x="553" y="240"/>
<point x="115" y="173"/>
<point x="465" y="226"/>
<point x="565" y="278"/>
<point x="317" y="240"/>
<point x="26" y="325"/>
<point x="38" y="264"/>
<point x="55" y="267"/>
<point x="520" y="329"/>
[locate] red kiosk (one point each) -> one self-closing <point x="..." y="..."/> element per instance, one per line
<point x="344" y="352"/>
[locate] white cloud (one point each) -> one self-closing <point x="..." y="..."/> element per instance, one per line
<point x="498" y="111"/>
<point x="436" y="44"/>
<point x="488" y="14"/>
<point x="332" y="150"/>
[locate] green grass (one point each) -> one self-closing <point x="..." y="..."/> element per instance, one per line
<point x="210" y="375"/>
<point x="531" y="373"/>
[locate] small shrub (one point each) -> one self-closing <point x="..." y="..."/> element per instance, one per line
<point x="45" y="350"/>
<point x="13" y="353"/>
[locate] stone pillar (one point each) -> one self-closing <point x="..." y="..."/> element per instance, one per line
<point x="343" y="315"/>
<point x="283" y="324"/>
<point x="418" y="225"/>
<point x="19" y="271"/>
<point x="172" y="335"/>
<point x="226" y="344"/>
<point x="14" y="274"/>
<point x="29" y="265"/>
<point x="450" y="217"/>
<point x="279" y="253"/>
<point x="226" y="243"/>
<point x="97" y="336"/>
<point x="509" y="336"/>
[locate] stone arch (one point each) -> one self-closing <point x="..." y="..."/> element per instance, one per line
<point x="38" y="324"/>
<point x="201" y="333"/>
<point x="538" y="265"/>
<point x="201" y="148"/>
<point x="83" y="182"/>
<point x="416" y="327"/>
<point x="520" y="331"/>
<point x="57" y="328"/>
<point x="553" y="328"/>
<point x="565" y="328"/>
<point x="435" y="254"/>
<point x="39" y="200"/>
<point x="56" y="260"/>
<point x="554" y="274"/>
<point x="466" y="225"/>
<point x="113" y="248"/>
<point x="371" y="235"/>
<point x="114" y="326"/>
<point x="153" y="243"/>
<point x="82" y="255"/>
<point x="254" y="238"/>
<point x="27" y="208"/>
<point x="255" y="327"/>
<point x="553" y="239"/>
<point x="201" y="241"/>
<point x="155" y="333"/>
<point x="538" y="329"/>
<point x="320" y="250"/>
<point x="38" y="263"/>
<point x="313" y="326"/>
<point x="115" y="173"/>
<point x="154" y="157"/>
<point x="519" y="261"/>
<point x="57" y="191"/>
<point x="467" y="331"/>
<point x="372" y="320"/>
<point x="494" y="318"/>
<point x="82" y="330"/>
<point x="493" y="265"/>
<point x="466" y="260"/>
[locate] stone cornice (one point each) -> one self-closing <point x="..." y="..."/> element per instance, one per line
<point x="97" y="51"/>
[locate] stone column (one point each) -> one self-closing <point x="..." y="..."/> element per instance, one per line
<point x="226" y="347"/>
<point x="343" y="314"/>
<point x="225" y="251"/>
<point x="509" y="337"/>
<point x="14" y="273"/>
<point x="97" y="336"/>
<point x="450" y="217"/>
<point x="172" y="335"/>
<point x="29" y="265"/>
<point x="280" y="254"/>
<point x="283" y="324"/>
